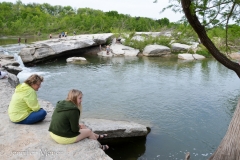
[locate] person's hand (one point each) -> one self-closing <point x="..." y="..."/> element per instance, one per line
<point x="82" y="126"/>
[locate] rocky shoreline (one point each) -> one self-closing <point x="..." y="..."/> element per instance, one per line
<point x="46" y="50"/>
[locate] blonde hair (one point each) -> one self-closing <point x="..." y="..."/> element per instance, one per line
<point x="72" y="96"/>
<point x="33" y="79"/>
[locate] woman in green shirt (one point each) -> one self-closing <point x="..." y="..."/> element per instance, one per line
<point x="64" y="127"/>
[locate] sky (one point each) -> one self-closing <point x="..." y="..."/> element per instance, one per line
<point x="135" y="8"/>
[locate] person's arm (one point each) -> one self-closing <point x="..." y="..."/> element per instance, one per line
<point x="31" y="101"/>
<point x="73" y="119"/>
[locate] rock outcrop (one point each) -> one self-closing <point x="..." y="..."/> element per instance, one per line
<point x="8" y="63"/>
<point x="88" y="44"/>
<point x="178" y="47"/>
<point x="118" y="49"/>
<point x="60" y="46"/>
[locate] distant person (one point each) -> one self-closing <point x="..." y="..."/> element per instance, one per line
<point x="50" y="35"/>
<point x="74" y="33"/>
<point x="19" y="40"/>
<point x="108" y="50"/>
<point x="25" y="40"/>
<point x="24" y="107"/>
<point x="3" y="75"/>
<point x="64" y="127"/>
<point x="65" y="34"/>
<point x="39" y="33"/>
<point x="119" y="40"/>
<point x="59" y="36"/>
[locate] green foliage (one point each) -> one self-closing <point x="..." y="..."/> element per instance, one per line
<point x="19" y="18"/>
<point x="216" y="32"/>
<point x="202" y="50"/>
<point x="163" y="22"/>
<point x="183" y="33"/>
<point x="30" y="19"/>
<point x="147" y="40"/>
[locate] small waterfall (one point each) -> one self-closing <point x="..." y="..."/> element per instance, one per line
<point x="19" y="60"/>
<point x="14" y="50"/>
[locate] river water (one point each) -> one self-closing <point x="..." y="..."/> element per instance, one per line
<point x="187" y="104"/>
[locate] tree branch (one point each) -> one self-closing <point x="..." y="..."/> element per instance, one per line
<point x="200" y="30"/>
<point x="228" y="17"/>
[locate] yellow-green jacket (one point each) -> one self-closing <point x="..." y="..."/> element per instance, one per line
<point x="24" y="101"/>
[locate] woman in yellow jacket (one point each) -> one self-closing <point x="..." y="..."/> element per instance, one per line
<point x="24" y="107"/>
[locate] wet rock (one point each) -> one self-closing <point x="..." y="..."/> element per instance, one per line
<point x="188" y="56"/>
<point x="8" y="63"/>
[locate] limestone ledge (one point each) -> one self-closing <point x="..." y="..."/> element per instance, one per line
<point x="34" y="141"/>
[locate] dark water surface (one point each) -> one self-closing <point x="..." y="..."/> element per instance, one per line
<point x="187" y="104"/>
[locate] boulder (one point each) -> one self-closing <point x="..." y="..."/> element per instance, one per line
<point x="178" y="47"/>
<point x="26" y="54"/>
<point x="8" y="63"/>
<point x="121" y="50"/>
<point x="13" y="80"/>
<point x="118" y="49"/>
<point x="76" y="60"/>
<point x="13" y="69"/>
<point x="188" y="56"/>
<point x="156" y="50"/>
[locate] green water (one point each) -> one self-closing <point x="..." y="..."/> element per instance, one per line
<point x="24" y="39"/>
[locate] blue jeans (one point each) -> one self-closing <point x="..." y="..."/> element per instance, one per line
<point x="34" y="117"/>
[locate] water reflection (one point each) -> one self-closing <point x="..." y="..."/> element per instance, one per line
<point x="132" y="150"/>
<point x="14" y="39"/>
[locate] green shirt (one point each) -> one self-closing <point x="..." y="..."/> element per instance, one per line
<point x="65" y="120"/>
<point x="24" y="101"/>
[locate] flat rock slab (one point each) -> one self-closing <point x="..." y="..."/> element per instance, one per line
<point x="117" y="129"/>
<point x="30" y="142"/>
<point x="188" y="56"/>
<point x="61" y="46"/>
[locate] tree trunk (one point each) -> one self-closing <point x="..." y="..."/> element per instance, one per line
<point x="229" y="148"/>
<point x="200" y="30"/>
